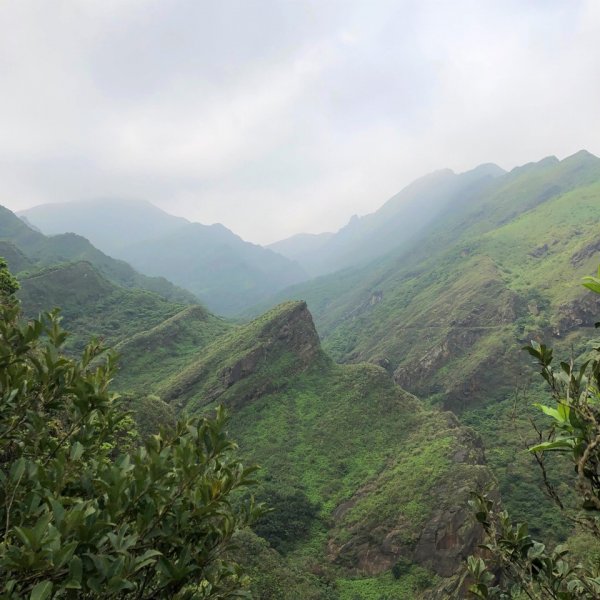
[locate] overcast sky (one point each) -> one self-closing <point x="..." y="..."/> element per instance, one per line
<point x="280" y="116"/>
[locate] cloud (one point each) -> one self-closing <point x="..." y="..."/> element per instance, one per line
<point x="275" y="117"/>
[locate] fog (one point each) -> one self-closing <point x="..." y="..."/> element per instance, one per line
<point x="275" y="117"/>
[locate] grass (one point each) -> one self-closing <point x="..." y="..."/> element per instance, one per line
<point x="386" y="587"/>
<point x="92" y="306"/>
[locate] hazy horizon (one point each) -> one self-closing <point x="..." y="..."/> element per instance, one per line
<point x="277" y="118"/>
<point x="348" y="218"/>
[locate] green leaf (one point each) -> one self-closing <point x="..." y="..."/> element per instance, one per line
<point x="547" y="410"/>
<point x="77" y="451"/>
<point x="592" y="283"/>
<point x="41" y="591"/>
<point x="561" y="444"/>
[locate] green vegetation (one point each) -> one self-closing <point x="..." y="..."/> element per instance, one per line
<point x="218" y="267"/>
<point x="91" y="305"/>
<point x="85" y="510"/>
<point x="273" y="578"/>
<point x="26" y="249"/>
<point x="517" y="564"/>
<point x="151" y="356"/>
<point x="447" y="316"/>
<point x="409" y="584"/>
<point x="368" y="484"/>
<point x="354" y="468"/>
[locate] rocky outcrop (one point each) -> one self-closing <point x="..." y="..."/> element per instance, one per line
<point x="581" y="312"/>
<point x="444" y="538"/>
<point x="240" y="365"/>
<point x="584" y="253"/>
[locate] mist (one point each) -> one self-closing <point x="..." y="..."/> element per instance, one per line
<point x="276" y="118"/>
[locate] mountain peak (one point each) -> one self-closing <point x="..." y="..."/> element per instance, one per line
<point x="249" y="361"/>
<point x="490" y="169"/>
<point x="582" y="156"/>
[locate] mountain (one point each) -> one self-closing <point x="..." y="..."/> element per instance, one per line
<point x="394" y="226"/>
<point x="447" y="316"/>
<point x="91" y="305"/>
<point x="352" y="420"/>
<point x="17" y="261"/>
<point x="225" y="272"/>
<point x="218" y="267"/>
<point x="28" y="249"/>
<point x="149" y="356"/>
<point x="393" y="491"/>
<point x="109" y="223"/>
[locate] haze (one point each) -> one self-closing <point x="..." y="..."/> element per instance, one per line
<point x="276" y="117"/>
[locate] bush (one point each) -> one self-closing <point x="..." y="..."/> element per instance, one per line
<point x="83" y="517"/>
<point x="517" y="565"/>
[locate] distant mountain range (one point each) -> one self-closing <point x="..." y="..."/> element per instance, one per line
<point x="394" y="226"/>
<point x="26" y="249"/>
<point x="228" y="274"/>
<point x="439" y="290"/>
<point x="218" y="267"/>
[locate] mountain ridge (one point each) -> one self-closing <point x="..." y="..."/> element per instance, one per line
<point x="227" y="273"/>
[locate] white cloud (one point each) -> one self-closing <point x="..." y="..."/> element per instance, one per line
<point x="276" y="117"/>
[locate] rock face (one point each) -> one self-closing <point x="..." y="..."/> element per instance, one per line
<point x="581" y="312"/>
<point x="439" y="542"/>
<point x="249" y="358"/>
<point x="586" y="252"/>
<point x="394" y="478"/>
<point x="452" y="534"/>
<point x="454" y="337"/>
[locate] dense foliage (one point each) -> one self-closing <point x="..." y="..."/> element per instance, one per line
<point x="86" y="511"/>
<point x="526" y="567"/>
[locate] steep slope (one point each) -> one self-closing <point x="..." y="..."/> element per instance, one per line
<point x="225" y="272"/>
<point x="393" y="227"/>
<point x="43" y="251"/>
<point x="148" y="357"/>
<point x="391" y="478"/>
<point x="447" y="317"/>
<point x="17" y="261"/>
<point x="91" y="305"/>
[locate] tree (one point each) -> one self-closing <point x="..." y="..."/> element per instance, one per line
<point x="8" y="284"/>
<point x="83" y="517"/>
<point x="517" y="566"/>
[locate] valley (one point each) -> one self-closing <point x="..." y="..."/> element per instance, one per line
<point x="374" y="374"/>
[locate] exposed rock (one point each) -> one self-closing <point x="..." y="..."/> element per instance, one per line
<point x="449" y="534"/>
<point x="289" y="330"/>
<point x="376" y="297"/>
<point x="539" y="251"/>
<point x="585" y="253"/>
<point x="243" y="367"/>
<point x="581" y="312"/>
<point x="296" y="330"/>
<point x="384" y="363"/>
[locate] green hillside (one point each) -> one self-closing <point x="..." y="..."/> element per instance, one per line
<point x="390" y="479"/>
<point x="17" y="261"/>
<point x="447" y="317"/>
<point x="368" y="482"/>
<point x="225" y="272"/>
<point x="148" y="357"/>
<point x="394" y="226"/>
<point x="91" y="305"/>
<point x="37" y="250"/>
